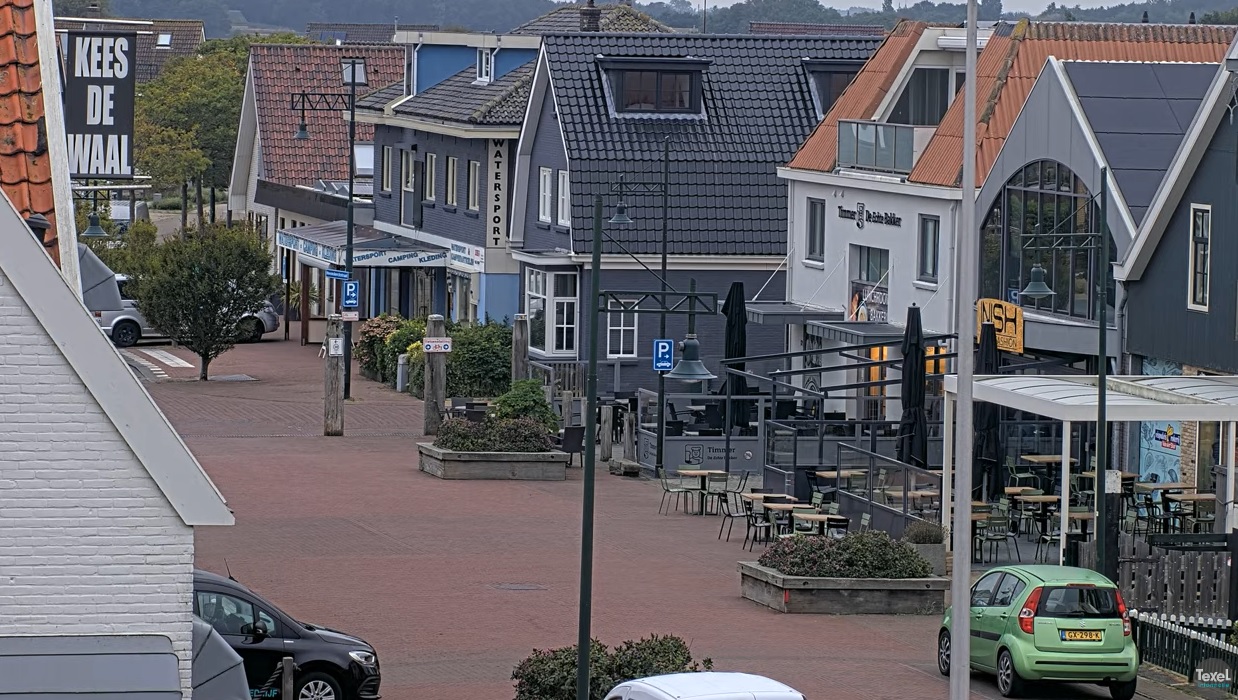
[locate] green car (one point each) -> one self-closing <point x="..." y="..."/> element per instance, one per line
<point x="1048" y="623"/>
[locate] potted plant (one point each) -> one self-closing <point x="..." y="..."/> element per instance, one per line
<point x="929" y="539"/>
<point x="862" y="573"/>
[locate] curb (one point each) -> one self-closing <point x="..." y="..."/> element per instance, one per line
<point x="1158" y="684"/>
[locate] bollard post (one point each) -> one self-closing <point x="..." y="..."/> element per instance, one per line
<point x="289" y="670"/>
<point x="629" y="436"/>
<point x="520" y="348"/>
<point x="608" y="432"/>
<point x="436" y="378"/>
<point x="401" y="373"/>
<point x="333" y="394"/>
<point x="565" y="400"/>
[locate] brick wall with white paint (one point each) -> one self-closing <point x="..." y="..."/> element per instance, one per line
<point x="88" y="543"/>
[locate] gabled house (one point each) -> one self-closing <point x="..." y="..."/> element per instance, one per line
<point x="100" y="495"/>
<point x="875" y="189"/>
<point x="361" y="33"/>
<point x="444" y="137"/>
<point x="728" y="110"/>
<point x="159" y="40"/>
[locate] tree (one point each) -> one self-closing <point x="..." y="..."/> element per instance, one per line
<point x="130" y="254"/>
<point x="199" y="286"/>
<point x="989" y="10"/>
<point x="81" y="8"/>
<point x="168" y="155"/>
<point x="1220" y="17"/>
<point x="887" y="6"/>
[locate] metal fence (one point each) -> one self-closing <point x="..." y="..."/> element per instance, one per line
<point x="1178" y="648"/>
<point x="1167" y="581"/>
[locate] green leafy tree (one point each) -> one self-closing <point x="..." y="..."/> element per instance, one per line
<point x="169" y="155"/>
<point x="989" y="10"/>
<point x="1229" y="16"/>
<point x="130" y="254"/>
<point x="199" y="287"/>
<point x="81" y="8"/>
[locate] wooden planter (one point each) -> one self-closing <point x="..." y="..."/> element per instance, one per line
<point x="842" y="596"/>
<point x="525" y="466"/>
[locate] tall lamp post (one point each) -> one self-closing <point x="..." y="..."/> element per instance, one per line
<point x="354" y="75"/>
<point x="688" y="369"/>
<point x="1106" y="523"/>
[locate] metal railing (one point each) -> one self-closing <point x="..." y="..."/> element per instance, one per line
<point x="894" y="494"/>
<point x="565" y="375"/>
<point x="868" y="145"/>
<point x="1179" y="648"/>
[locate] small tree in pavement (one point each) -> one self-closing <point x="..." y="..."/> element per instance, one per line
<point x="199" y="286"/>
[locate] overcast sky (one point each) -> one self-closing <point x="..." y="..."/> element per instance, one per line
<point x="1032" y="6"/>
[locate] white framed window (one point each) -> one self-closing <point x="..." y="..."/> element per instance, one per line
<point x="930" y="242"/>
<point x="545" y="194"/>
<point x="474" y="185"/>
<point x="485" y="65"/>
<point x="386" y="166"/>
<point x="1201" y="256"/>
<point x="449" y="184"/>
<point x="408" y="178"/>
<point x="163" y="41"/>
<point x="815" y="248"/>
<point x="427" y="191"/>
<point x="552" y="307"/>
<point x="564" y="201"/>
<point x="620" y="331"/>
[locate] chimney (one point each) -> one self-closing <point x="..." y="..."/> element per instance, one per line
<point x="92" y="10"/>
<point x="1192" y="19"/>
<point x="1145" y="17"/>
<point x="590" y="18"/>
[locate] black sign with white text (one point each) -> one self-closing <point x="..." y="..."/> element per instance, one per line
<point x="98" y="106"/>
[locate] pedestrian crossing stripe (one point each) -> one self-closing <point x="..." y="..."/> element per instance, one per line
<point x="149" y="366"/>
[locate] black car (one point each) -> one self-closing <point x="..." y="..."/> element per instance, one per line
<point x="331" y="665"/>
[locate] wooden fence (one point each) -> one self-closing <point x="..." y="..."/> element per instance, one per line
<point x="1164" y="581"/>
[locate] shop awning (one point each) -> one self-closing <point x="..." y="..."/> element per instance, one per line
<point x="1133" y="398"/>
<point x="782" y="313"/>
<point x="90" y="666"/>
<point x="854" y="332"/>
<point x="325" y="244"/>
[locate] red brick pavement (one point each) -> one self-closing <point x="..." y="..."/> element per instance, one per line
<point x="347" y="533"/>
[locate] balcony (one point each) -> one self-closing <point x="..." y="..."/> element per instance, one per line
<point x="882" y="148"/>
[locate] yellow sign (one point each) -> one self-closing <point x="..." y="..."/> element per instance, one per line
<point x="1007" y="320"/>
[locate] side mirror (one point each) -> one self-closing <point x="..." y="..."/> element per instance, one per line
<point x="258" y="631"/>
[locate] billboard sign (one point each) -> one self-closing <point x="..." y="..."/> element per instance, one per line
<point x="100" y="86"/>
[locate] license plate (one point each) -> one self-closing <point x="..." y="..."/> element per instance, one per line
<point x="1081" y="635"/>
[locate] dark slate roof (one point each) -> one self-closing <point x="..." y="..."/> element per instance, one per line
<point x="1140" y="113"/>
<point x="380" y="98"/>
<point x="499" y="103"/>
<point x="807" y="29"/>
<point x="615" y="18"/>
<point x="358" y="33"/>
<point x="187" y="36"/>
<point x="725" y="194"/>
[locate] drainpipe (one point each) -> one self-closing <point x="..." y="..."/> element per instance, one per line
<point x="952" y="318"/>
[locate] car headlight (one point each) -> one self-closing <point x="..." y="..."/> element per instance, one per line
<point x="365" y="658"/>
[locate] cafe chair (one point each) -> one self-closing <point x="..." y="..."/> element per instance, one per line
<point x="732" y="509"/>
<point x="573" y="442"/>
<point x="997" y="531"/>
<point x="1020" y="478"/>
<point x="740" y="482"/>
<point x="758" y="526"/>
<point x="715" y="490"/>
<point x="668" y="490"/>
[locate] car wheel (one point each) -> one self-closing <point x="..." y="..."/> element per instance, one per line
<point x="126" y="334"/>
<point x="1124" y="690"/>
<point x="943" y="652"/>
<point x="318" y="686"/>
<point x="1008" y="682"/>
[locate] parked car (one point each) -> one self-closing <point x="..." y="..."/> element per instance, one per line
<point x="707" y="685"/>
<point x="126" y="325"/>
<point x="1048" y="623"/>
<point x="331" y="665"/>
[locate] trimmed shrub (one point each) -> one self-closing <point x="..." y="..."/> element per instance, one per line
<point x="479" y="365"/>
<point x="501" y="435"/>
<point x="870" y="554"/>
<point x="460" y="435"/>
<point x="372" y="339"/>
<point x="527" y="399"/>
<point x="407" y="333"/>
<point x="550" y="674"/>
<point x="922" y="532"/>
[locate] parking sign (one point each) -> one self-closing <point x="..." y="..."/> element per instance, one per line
<point x="663" y="355"/>
<point x="352" y="294"/>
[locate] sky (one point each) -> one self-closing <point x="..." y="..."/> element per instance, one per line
<point x="1031" y="6"/>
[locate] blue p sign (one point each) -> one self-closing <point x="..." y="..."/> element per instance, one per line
<point x="663" y="355"/>
<point x="352" y="294"/>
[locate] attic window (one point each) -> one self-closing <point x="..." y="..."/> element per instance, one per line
<point x="655" y="86"/>
<point x="164" y="41"/>
<point x="829" y="79"/>
<point x="485" y="65"/>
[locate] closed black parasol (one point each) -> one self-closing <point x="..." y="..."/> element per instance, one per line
<point x="988" y="449"/>
<point x="218" y="673"/>
<point x="736" y="311"/>
<point x="913" y="426"/>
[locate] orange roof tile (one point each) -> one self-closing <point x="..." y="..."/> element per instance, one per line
<point x="1008" y="66"/>
<point x="279" y="71"/>
<point x="25" y="166"/>
<point x="861" y="98"/>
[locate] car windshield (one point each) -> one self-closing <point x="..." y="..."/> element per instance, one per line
<point x="1078" y="601"/>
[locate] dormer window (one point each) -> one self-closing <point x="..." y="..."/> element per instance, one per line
<point x="485" y="65"/>
<point x="829" y="79"/>
<point x="655" y="86"/>
<point x="163" y="41"/>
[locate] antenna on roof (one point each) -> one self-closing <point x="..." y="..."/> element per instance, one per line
<point x="397" y="23"/>
<point x="229" y="571"/>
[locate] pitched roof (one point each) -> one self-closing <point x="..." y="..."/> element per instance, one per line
<point x="862" y="97"/>
<point x="25" y="164"/>
<point x="1008" y="66"/>
<point x="807" y="29"/>
<point x="361" y="33"/>
<point x="615" y="18"/>
<point x="499" y="103"/>
<point x="725" y="195"/>
<point x="278" y="72"/>
<point x="1139" y="113"/>
<point x="184" y="37"/>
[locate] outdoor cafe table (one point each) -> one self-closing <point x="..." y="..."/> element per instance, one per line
<point x="1042" y="515"/>
<point x="704" y="475"/>
<point x="1164" y="486"/>
<point x="823" y="520"/>
<point x="1084" y="517"/>
<point x="1126" y="476"/>
<point x="1046" y="460"/>
<point x="843" y="473"/>
<point x="763" y="496"/>
<point x="1192" y="499"/>
<point x="1016" y="490"/>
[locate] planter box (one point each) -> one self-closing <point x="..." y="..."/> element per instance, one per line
<point x="527" y="466"/>
<point x="842" y="596"/>
<point x="934" y="554"/>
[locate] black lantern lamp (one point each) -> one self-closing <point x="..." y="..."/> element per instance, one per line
<point x="94" y="230"/>
<point x="690" y="368"/>
<point x="1036" y="288"/>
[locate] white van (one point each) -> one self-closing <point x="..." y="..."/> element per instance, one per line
<point x="707" y="685"/>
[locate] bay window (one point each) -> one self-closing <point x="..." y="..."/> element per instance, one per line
<point x="552" y="307"/>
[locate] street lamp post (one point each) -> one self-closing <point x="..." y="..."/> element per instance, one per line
<point x="1106" y="505"/>
<point x="354" y="74"/>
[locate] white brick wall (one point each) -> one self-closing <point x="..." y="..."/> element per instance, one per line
<point x="88" y="543"/>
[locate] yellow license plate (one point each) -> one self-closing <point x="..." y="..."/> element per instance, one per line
<point x="1081" y="635"/>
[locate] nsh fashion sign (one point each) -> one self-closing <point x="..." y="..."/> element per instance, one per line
<point x="99" y="93"/>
